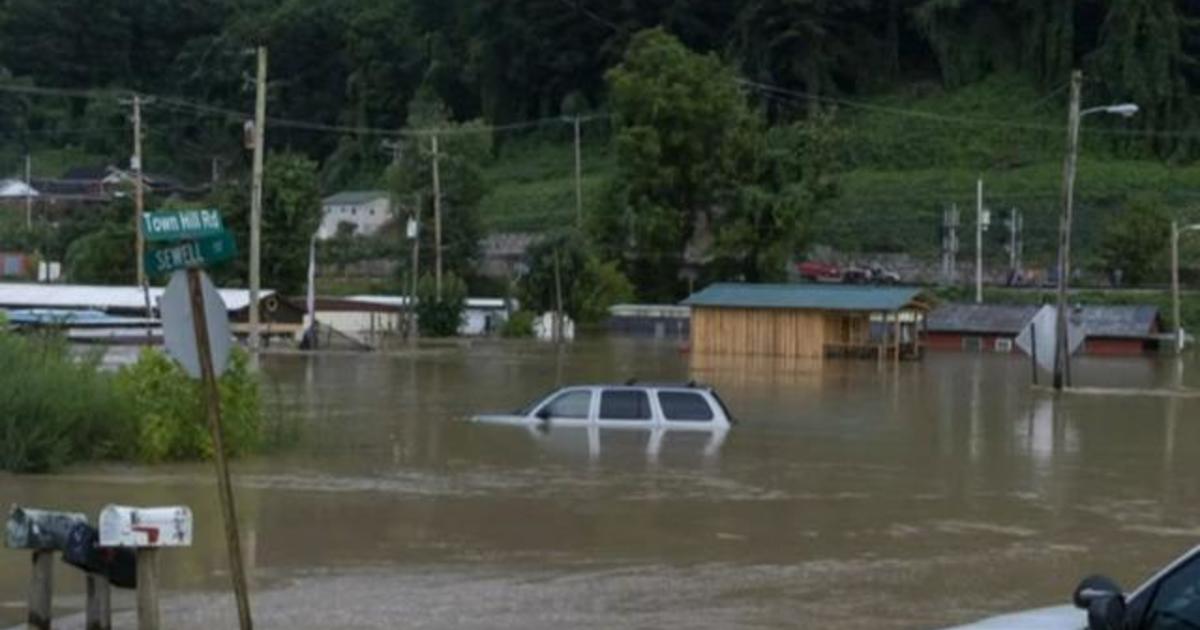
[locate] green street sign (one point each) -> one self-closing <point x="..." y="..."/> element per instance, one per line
<point x="198" y="253"/>
<point x="180" y="225"/>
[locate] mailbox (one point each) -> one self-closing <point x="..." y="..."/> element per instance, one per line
<point x="41" y="530"/>
<point x="117" y="564"/>
<point x="122" y="526"/>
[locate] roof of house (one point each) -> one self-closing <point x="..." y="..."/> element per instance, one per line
<point x="1008" y="319"/>
<point x="507" y="244"/>
<point x="1120" y="321"/>
<point x="809" y="297"/>
<point x="16" y="188"/>
<point x="354" y="197"/>
<point x="25" y="295"/>
<point x="87" y="173"/>
<point x="1133" y="321"/>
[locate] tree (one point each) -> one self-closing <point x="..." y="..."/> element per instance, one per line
<point x="589" y="285"/>
<point x="103" y="257"/>
<point x="440" y="317"/>
<point x="291" y="214"/>
<point x="1135" y="242"/>
<point x="685" y="137"/>
<point x="463" y="149"/>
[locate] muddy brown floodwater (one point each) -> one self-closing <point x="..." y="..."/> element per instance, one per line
<point x="849" y="496"/>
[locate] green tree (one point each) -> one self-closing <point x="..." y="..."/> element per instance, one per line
<point x="589" y="285"/>
<point x="1133" y="243"/>
<point x="463" y="149"/>
<point x="685" y="139"/>
<point x="105" y="256"/>
<point x="441" y="316"/>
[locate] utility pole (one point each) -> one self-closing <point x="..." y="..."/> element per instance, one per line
<point x="1175" y="286"/>
<point x="437" y="218"/>
<point x="979" y="226"/>
<point x="138" y="194"/>
<point x="28" y="191"/>
<point x="1062" y="359"/>
<point x="256" y="195"/>
<point x="1015" y="246"/>
<point x="578" y="177"/>
<point x="950" y="244"/>
<point x="558" y="301"/>
<point x="415" y="235"/>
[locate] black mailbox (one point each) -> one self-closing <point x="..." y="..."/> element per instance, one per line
<point x="83" y="551"/>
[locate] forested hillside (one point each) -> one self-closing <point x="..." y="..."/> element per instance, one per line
<point x="914" y="98"/>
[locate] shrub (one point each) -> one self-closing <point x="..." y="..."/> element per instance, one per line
<point x="54" y="409"/>
<point x="441" y="317"/>
<point x="167" y="419"/>
<point x="519" y="325"/>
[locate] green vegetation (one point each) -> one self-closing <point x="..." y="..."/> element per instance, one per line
<point x="518" y="326"/>
<point x="57" y="409"/>
<point x="589" y="285"/>
<point x="441" y="315"/>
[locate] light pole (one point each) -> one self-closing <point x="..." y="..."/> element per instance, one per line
<point x="1175" y="232"/>
<point x="1062" y="366"/>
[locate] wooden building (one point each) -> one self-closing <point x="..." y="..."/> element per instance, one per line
<point x="808" y="320"/>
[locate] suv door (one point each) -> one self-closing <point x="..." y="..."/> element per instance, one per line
<point x="621" y="406"/>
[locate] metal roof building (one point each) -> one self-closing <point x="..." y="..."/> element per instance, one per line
<point x="1108" y="330"/>
<point x="807" y="320"/>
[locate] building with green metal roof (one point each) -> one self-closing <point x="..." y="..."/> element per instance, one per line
<point x="808" y="320"/>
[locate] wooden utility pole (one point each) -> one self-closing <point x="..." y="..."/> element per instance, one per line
<point x="437" y="217"/>
<point x="1062" y="348"/>
<point x="558" y="301"/>
<point x="1175" y="310"/>
<point x="138" y="193"/>
<point x="979" y="241"/>
<point x="413" y="328"/>
<point x="256" y="195"/>
<point x="28" y="191"/>
<point x="212" y="409"/>
<point x="578" y="177"/>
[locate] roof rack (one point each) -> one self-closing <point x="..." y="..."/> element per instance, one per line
<point x="690" y="384"/>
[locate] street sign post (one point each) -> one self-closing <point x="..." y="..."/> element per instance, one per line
<point x="201" y="252"/>
<point x="1038" y="337"/>
<point x="180" y="225"/>
<point x="192" y="303"/>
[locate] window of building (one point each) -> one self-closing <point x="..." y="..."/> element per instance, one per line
<point x="624" y="405"/>
<point x="684" y="406"/>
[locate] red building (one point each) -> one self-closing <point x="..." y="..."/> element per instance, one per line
<point x="1109" y="330"/>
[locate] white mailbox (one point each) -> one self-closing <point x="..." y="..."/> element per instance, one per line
<point x="122" y="526"/>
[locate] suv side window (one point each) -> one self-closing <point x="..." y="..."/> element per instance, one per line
<point x="685" y="406"/>
<point x="624" y="405"/>
<point x="574" y="405"/>
<point x="1176" y="603"/>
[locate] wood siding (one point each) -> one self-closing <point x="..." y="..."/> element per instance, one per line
<point x="775" y="332"/>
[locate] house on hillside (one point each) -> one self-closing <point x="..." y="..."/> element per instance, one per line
<point x="16" y="189"/>
<point x="807" y="320"/>
<point x="503" y="252"/>
<point x="363" y="210"/>
<point x="1108" y="330"/>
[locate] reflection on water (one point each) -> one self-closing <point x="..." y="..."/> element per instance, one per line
<point x="851" y="495"/>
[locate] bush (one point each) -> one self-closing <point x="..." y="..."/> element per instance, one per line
<point x="167" y="419"/>
<point x="54" y="408"/>
<point x="519" y="325"/>
<point x="441" y="317"/>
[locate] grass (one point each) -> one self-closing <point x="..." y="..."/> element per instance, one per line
<point x="531" y="185"/>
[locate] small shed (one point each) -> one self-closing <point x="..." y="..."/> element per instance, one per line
<point x="808" y="320"/>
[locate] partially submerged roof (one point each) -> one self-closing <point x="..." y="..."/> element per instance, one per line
<point x="355" y="197"/>
<point x="820" y="297"/>
<point x="1120" y="321"/>
<point x="26" y="295"/>
<point x="1133" y="321"/>
<point x="1007" y="319"/>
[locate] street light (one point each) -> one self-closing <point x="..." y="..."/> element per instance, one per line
<point x="1175" y="232"/>
<point x="1062" y="359"/>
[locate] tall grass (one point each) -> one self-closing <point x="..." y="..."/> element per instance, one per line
<point x="54" y="408"/>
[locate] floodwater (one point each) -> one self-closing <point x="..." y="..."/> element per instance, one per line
<point x="850" y="496"/>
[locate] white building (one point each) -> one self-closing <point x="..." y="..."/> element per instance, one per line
<point x="365" y="210"/>
<point x="16" y="189"/>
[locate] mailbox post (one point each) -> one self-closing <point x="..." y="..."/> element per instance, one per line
<point x="146" y="530"/>
<point x="43" y="532"/>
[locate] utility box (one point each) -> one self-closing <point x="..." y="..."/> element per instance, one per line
<point x="122" y="526"/>
<point x="43" y="530"/>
